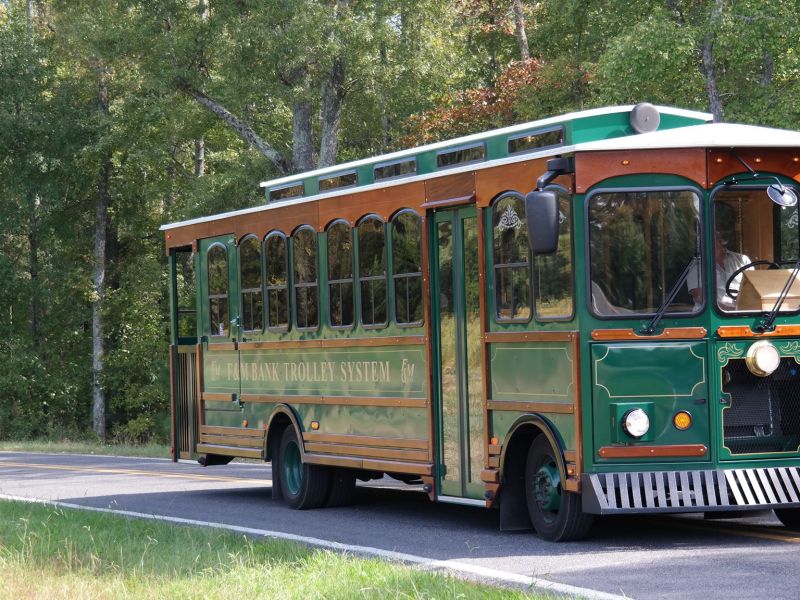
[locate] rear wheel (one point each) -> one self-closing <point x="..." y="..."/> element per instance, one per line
<point x="790" y="517"/>
<point x="343" y="487"/>
<point x="302" y="485"/>
<point x="555" y="513"/>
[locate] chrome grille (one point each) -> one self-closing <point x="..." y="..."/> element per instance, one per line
<point x="764" y="412"/>
<point x="691" y="491"/>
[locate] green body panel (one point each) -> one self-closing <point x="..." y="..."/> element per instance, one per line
<point x="369" y="372"/>
<point x="371" y="421"/>
<point x="532" y="372"/>
<point x="659" y="377"/>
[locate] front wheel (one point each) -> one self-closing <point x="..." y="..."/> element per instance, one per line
<point x="303" y="485"/>
<point x="555" y="513"/>
<point x="790" y="517"/>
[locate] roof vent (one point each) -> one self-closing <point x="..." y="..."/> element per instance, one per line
<point x="644" y="118"/>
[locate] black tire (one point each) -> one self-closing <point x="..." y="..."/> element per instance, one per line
<point x="790" y="517"/>
<point x="302" y="485"/>
<point x="555" y="513"/>
<point x="343" y="487"/>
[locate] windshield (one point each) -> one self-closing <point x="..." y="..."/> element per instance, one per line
<point x="755" y="248"/>
<point x="640" y="244"/>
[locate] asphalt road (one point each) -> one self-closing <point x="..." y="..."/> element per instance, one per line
<point x="636" y="557"/>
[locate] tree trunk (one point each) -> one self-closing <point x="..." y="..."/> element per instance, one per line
<point x="302" y="141"/>
<point x="199" y="157"/>
<point x="99" y="280"/>
<point x="333" y="94"/>
<point x="33" y="269"/>
<point x="519" y="26"/>
<point x="708" y="68"/>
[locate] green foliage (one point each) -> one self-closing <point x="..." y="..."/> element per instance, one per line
<point x="414" y="71"/>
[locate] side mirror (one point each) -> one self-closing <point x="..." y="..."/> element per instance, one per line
<point x="541" y="209"/>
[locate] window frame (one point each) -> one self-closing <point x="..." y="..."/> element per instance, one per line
<point x="393" y="274"/>
<point x="278" y="188"/>
<point x="287" y="285"/>
<point x="339" y="282"/>
<point x="712" y="234"/>
<point x="399" y="161"/>
<point x="385" y="277"/>
<point x="228" y="329"/>
<point x="337" y="175"/>
<point x="587" y="249"/>
<point x="250" y="236"/>
<point x="296" y="285"/>
<point x="496" y="316"/>
<point x="534" y="132"/>
<point x="453" y="149"/>
<point x="561" y="318"/>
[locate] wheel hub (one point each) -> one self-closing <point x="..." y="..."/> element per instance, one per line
<point x="292" y="468"/>
<point x="545" y="488"/>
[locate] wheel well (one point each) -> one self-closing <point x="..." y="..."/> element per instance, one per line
<point x="277" y="424"/>
<point x="513" y="504"/>
<point x="282" y="417"/>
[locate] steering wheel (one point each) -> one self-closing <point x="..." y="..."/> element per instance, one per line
<point x="734" y="293"/>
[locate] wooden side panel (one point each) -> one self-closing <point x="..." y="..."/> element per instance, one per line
<point x="593" y="167"/>
<point x="457" y="187"/>
<point x="722" y="163"/>
<point x="383" y="202"/>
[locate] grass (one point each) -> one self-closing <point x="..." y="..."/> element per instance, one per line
<point x="86" y="447"/>
<point x="50" y="552"/>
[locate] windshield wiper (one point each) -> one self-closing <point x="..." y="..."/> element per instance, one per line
<point x="650" y="328"/>
<point x="766" y="323"/>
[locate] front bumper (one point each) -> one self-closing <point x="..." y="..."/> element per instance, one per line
<point x="691" y="491"/>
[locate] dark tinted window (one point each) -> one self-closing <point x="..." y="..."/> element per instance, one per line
<point x="457" y="156"/>
<point x="372" y="271"/>
<point x="340" y="274"/>
<point x="338" y="181"/>
<point x="396" y="169"/>
<point x="284" y="193"/>
<point x="553" y="283"/>
<point x="277" y="288"/>
<point x="306" y="296"/>
<point x="252" y="296"/>
<point x="407" y="267"/>
<point x="512" y="274"/>
<point x="187" y="297"/>
<point x="528" y="142"/>
<point x="218" y="289"/>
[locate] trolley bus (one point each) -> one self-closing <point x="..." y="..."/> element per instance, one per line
<point x="591" y="314"/>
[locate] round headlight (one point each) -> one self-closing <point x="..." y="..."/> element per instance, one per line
<point x="636" y="422"/>
<point x="762" y="358"/>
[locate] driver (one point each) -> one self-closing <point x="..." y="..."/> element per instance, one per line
<point x="726" y="262"/>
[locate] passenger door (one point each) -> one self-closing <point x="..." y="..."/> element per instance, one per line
<point x="458" y="370"/>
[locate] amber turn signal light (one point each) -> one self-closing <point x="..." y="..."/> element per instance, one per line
<point x="682" y="420"/>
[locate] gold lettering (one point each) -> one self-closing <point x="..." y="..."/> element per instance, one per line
<point x="384" y="375"/>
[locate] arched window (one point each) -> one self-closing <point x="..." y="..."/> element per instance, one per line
<point x="277" y="287"/>
<point x="306" y="294"/>
<point x="407" y="267"/>
<point x="217" y="263"/>
<point x="250" y="276"/>
<point x="372" y="271"/>
<point x="512" y="269"/>
<point x="340" y="274"/>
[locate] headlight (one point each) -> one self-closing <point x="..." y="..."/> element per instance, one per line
<point x="762" y="358"/>
<point x="636" y="422"/>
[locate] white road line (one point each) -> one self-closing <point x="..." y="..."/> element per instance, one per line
<point x="453" y="566"/>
